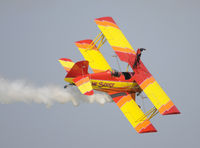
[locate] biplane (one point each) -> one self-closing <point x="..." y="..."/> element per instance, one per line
<point x="121" y="86"/>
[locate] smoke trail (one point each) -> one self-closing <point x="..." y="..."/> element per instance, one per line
<point x="21" y="91"/>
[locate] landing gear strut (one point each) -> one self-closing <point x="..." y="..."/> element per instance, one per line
<point x="65" y="86"/>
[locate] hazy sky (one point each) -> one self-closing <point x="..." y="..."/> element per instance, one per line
<point x="34" y="34"/>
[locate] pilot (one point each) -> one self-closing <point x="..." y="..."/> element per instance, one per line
<point x="115" y="73"/>
<point x="138" y="55"/>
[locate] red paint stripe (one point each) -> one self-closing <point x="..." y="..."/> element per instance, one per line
<point x="82" y="81"/>
<point x="108" y="19"/>
<point x="169" y="108"/>
<point x="85" y="44"/>
<point x="117" y="99"/>
<point x="145" y="127"/>
<point x="65" y="59"/>
<point x="105" y="23"/>
<point x="148" y="129"/>
<point x="146" y="82"/>
<point x="123" y="100"/>
<point x="87" y="41"/>
<point x="124" y="50"/>
<point x="89" y="93"/>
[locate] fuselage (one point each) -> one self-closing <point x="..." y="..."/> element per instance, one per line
<point x="112" y="81"/>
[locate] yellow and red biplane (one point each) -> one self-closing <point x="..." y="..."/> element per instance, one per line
<point x="121" y="86"/>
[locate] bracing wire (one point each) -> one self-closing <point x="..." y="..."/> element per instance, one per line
<point x="117" y="62"/>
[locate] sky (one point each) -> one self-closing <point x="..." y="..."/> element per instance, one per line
<point x="34" y="34"/>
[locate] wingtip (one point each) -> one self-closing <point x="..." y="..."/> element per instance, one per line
<point x="148" y="129"/>
<point x="85" y="44"/>
<point x="145" y="127"/>
<point x="86" y="41"/>
<point x="171" y="111"/>
<point x="107" y="18"/>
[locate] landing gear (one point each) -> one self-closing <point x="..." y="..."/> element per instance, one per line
<point x="71" y="84"/>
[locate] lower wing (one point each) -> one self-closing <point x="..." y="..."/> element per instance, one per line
<point x="153" y="91"/>
<point x="133" y="112"/>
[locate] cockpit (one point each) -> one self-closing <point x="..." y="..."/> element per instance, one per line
<point x="127" y="75"/>
<point x="115" y="73"/>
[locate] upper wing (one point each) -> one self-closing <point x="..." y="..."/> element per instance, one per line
<point x="132" y="112"/>
<point x="116" y="38"/>
<point x="153" y="91"/>
<point x="96" y="60"/>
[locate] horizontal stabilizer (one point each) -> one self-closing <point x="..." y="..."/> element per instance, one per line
<point x="84" y="85"/>
<point x="66" y="63"/>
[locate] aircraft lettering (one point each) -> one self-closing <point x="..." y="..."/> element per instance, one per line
<point x="94" y="83"/>
<point x="103" y="84"/>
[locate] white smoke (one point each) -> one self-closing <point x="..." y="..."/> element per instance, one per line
<point x="21" y="91"/>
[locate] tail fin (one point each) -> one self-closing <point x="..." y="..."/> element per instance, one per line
<point x="66" y="63"/>
<point x="79" y="69"/>
<point x="79" y="75"/>
<point x="81" y="80"/>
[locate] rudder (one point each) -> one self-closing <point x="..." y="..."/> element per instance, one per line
<point x="79" y="69"/>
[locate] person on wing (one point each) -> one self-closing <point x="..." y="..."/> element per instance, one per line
<point x="138" y="55"/>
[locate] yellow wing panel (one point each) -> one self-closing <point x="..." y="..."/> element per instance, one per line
<point x="158" y="97"/>
<point x="96" y="60"/>
<point x="115" y="37"/>
<point x="133" y="113"/>
<point x="153" y="91"/>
